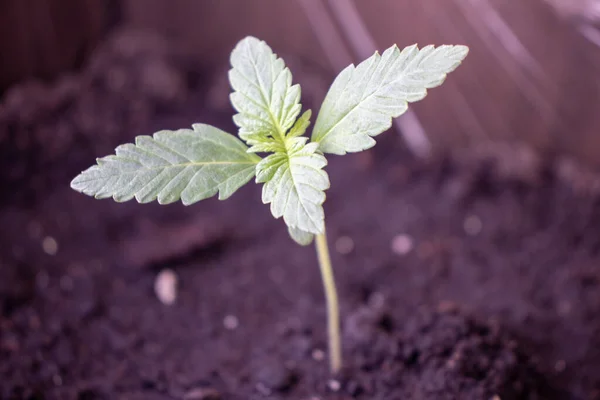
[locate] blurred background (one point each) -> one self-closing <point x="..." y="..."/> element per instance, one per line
<point x="532" y="74"/>
<point x="79" y="77"/>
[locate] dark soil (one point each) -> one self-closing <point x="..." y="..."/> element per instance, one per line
<point x="474" y="276"/>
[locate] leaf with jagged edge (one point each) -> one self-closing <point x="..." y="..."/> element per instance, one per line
<point x="301" y="125"/>
<point x="294" y="185"/>
<point x="268" y="106"/>
<point x="186" y="164"/>
<point x="267" y="102"/>
<point x="363" y="100"/>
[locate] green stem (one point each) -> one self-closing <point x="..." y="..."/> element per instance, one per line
<point x="333" y="312"/>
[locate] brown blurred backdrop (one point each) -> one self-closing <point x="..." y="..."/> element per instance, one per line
<point x="533" y="73"/>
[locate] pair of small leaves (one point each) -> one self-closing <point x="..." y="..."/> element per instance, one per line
<point x="192" y="165"/>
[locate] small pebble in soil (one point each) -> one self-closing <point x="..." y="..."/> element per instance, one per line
<point x="362" y="323"/>
<point x="472" y="225"/>
<point x="334" y="385"/>
<point x="560" y="366"/>
<point x="202" y="394"/>
<point x="564" y="308"/>
<point x="165" y="287"/>
<point x="231" y="322"/>
<point x="318" y="355"/>
<point x="50" y="245"/>
<point x="402" y="244"/>
<point x="344" y="245"/>
<point x="447" y="306"/>
<point x="272" y="376"/>
<point x="376" y="300"/>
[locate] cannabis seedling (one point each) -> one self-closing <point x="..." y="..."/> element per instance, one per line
<point x="194" y="164"/>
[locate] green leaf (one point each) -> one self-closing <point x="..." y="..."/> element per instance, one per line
<point x="188" y="164"/>
<point x="362" y="100"/>
<point x="301" y="125"/>
<point x="294" y="185"/>
<point x="267" y="102"/>
<point x="300" y="237"/>
<point x="268" y="106"/>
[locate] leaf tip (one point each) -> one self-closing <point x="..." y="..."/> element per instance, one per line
<point x="200" y="128"/>
<point x="75" y="183"/>
<point x="462" y="50"/>
<point x="250" y="39"/>
<point x="246" y="42"/>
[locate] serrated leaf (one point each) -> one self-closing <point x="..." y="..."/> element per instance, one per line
<point x="266" y="168"/>
<point x="300" y="237"/>
<point x="186" y="164"/>
<point x="363" y="100"/>
<point x="301" y="125"/>
<point x="267" y="147"/>
<point x="294" y="186"/>
<point x="267" y="102"/>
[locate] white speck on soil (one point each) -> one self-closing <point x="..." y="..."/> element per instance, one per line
<point x="344" y="245"/>
<point x="165" y="287"/>
<point x="376" y="300"/>
<point x="231" y="322"/>
<point x="50" y="245"/>
<point x="318" y="355"/>
<point x="262" y="389"/>
<point x="472" y="225"/>
<point x="564" y="307"/>
<point x="334" y="385"/>
<point x="402" y="244"/>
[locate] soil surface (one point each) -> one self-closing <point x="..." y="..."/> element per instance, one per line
<point x="473" y="276"/>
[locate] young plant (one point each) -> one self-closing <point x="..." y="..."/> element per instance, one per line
<point x="193" y="164"/>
